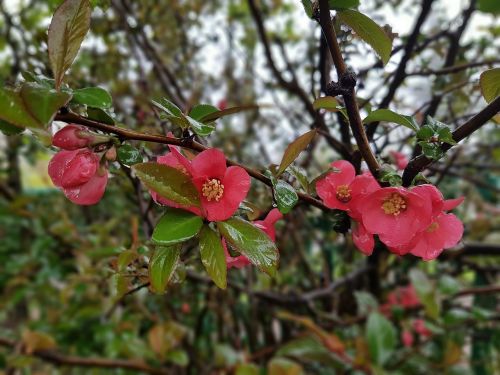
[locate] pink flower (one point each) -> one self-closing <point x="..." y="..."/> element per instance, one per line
<point x="400" y="159"/>
<point x="340" y="190"/>
<point x="267" y="226"/>
<point x="395" y="214"/>
<point x="221" y="189"/>
<point x="72" y="137"/>
<point x="407" y="338"/>
<point x="445" y="231"/>
<point x="79" y="175"/>
<point x="405" y="297"/>
<point x="420" y="328"/>
<point x="362" y="239"/>
<point x="222" y="104"/>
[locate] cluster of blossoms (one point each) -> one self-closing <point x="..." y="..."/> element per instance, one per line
<point x="78" y="169"/>
<point x="406" y="220"/>
<point x="221" y="190"/>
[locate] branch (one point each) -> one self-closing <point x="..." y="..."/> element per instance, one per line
<point x="60" y="359"/>
<point x="417" y="164"/>
<point x="350" y="97"/>
<point x="453" y="69"/>
<point x="125" y="134"/>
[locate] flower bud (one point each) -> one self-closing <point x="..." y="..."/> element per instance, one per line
<point x="72" y="137"/>
<point x="111" y="154"/>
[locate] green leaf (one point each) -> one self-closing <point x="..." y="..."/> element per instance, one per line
<point x="201" y="110"/>
<point x="307" y="7"/>
<point x="251" y="242"/>
<point x="369" y="31"/>
<point x="162" y="266"/>
<point x="69" y="25"/>
<point x="326" y="102"/>
<point x="247" y="369"/>
<point x="284" y="366"/>
<point x="426" y="292"/>
<point x="490" y="82"/>
<point x="425" y="133"/>
<point x="129" y="155"/>
<point x="100" y="115"/>
<point x="199" y="128"/>
<point x="445" y="135"/>
<point x="213" y="257"/>
<point x="33" y="106"/>
<point x="9" y="129"/>
<point x="95" y="97"/>
<point x="285" y="195"/>
<point x="178" y="357"/>
<point x="176" y="226"/>
<point x="300" y="175"/>
<point x="431" y="150"/>
<point x="343" y="4"/>
<point x="489" y="6"/>
<point x="390" y="116"/>
<point x="168" y="107"/>
<point x="294" y="149"/>
<point x="228" y="111"/>
<point x="39" y="78"/>
<point x="381" y="338"/>
<point x="168" y="182"/>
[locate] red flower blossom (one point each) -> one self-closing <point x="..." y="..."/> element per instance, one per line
<point x="396" y="214"/>
<point x="407" y="338"/>
<point x="79" y="175"/>
<point x="221" y="189"/>
<point x="420" y="328"/>
<point x="341" y="190"/>
<point x="363" y="240"/>
<point x="267" y="226"/>
<point x="400" y="159"/>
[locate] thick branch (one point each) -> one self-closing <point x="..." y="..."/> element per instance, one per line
<point x="420" y="162"/>
<point x="60" y="359"/>
<point x="126" y="134"/>
<point x="350" y="98"/>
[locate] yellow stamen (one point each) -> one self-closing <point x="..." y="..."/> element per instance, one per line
<point x="343" y="193"/>
<point x="394" y="204"/>
<point x="212" y="189"/>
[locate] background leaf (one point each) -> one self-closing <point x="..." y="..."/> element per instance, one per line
<point x="95" y="97"/>
<point x="490" y="84"/>
<point x="390" y="116"/>
<point x="381" y="338"/>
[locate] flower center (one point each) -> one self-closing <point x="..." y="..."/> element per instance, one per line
<point x="433" y="227"/>
<point x="212" y="190"/>
<point x="394" y="204"/>
<point x="343" y="193"/>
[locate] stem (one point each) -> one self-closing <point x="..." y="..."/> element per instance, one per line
<point x="350" y="98"/>
<point x="126" y="134"/>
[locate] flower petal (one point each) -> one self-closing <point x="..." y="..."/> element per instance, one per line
<point x="80" y="169"/>
<point x="57" y="165"/>
<point x="362" y="239"/>
<point x="90" y="192"/>
<point x="450" y="204"/>
<point x="210" y="163"/>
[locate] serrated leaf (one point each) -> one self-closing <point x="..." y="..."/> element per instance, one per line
<point x="39" y="78"/>
<point x="176" y="226"/>
<point x="285" y="195"/>
<point x="326" y="102"/>
<point x="129" y="155"/>
<point x="213" y="257"/>
<point x="69" y="25"/>
<point x="343" y="4"/>
<point x="168" y="182"/>
<point x="251" y="242"/>
<point x="95" y="97"/>
<point x="368" y="31"/>
<point x="162" y="266"/>
<point x="227" y="112"/>
<point x="390" y="116"/>
<point x="425" y="133"/>
<point x="381" y="338"/>
<point x="294" y="149"/>
<point x="201" y="110"/>
<point x="445" y="135"/>
<point x="490" y="84"/>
